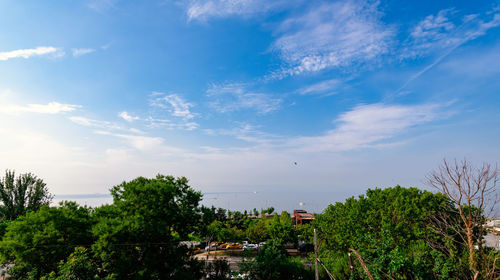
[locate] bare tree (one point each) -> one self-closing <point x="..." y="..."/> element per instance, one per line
<point x="473" y="195"/>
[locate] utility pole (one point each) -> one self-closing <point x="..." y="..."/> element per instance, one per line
<point x="316" y="272"/>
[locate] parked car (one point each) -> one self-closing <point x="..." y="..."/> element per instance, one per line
<point x="194" y="251"/>
<point x="234" y="246"/>
<point x="223" y="245"/>
<point x="250" y="247"/>
<point x="211" y="247"/>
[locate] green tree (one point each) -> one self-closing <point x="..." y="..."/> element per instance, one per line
<point x="78" y="266"/>
<point x="257" y="231"/>
<point x="37" y="242"/>
<point x="207" y="217"/>
<point x="139" y="235"/>
<point x="282" y="230"/>
<point x="22" y="194"/>
<point x="237" y="219"/>
<point x="390" y="230"/>
<point x="305" y="232"/>
<point x="215" y="231"/>
<point x="272" y="262"/>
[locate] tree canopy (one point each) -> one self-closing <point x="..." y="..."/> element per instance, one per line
<point x="389" y="228"/>
<point x="21" y="194"/>
<point x="138" y="235"/>
<point x="36" y="242"/>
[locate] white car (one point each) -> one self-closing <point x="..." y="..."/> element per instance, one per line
<point x="250" y="247"/>
<point x="212" y="247"/>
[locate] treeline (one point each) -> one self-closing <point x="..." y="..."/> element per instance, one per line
<point x="138" y="236"/>
<point x="392" y="233"/>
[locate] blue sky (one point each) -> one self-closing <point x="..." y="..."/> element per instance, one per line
<point x="231" y="93"/>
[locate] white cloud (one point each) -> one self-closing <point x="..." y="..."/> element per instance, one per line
<point x="80" y="52"/>
<point x="84" y="121"/>
<point x="175" y="104"/>
<point x="246" y="132"/>
<point x="332" y="35"/>
<point x="171" y="124"/>
<point x="139" y="142"/>
<point x="174" y="112"/>
<point x="446" y="31"/>
<point x="434" y="26"/>
<point x="27" y="53"/>
<point x="50" y="108"/>
<point x="235" y="96"/>
<point x="437" y="34"/>
<point x="368" y="126"/>
<point x="204" y="9"/>
<point x="124" y="115"/>
<point x="327" y="87"/>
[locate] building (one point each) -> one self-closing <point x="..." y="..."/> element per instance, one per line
<point x="301" y="217"/>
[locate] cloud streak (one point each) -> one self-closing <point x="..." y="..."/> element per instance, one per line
<point x="202" y="10"/>
<point x="368" y="126"/>
<point x="171" y="111"/>
<point x="27" y="53"/>
<point x="173" y="103"/>
<point x="81" y="51"/>
<point x="437" y="33"/>
<point x="124" y="115"/>
<point x="235" y="96"/>
<point x="50" y="108"/>
<point x="327" y="87"/>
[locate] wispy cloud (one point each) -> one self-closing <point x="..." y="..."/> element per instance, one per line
<point x="369" y="126"/>
<point x="126" y="116"/>
<point x="27" y="53"/>
<point x="50" y="108"/>
<point x="446" y="30"/>
<point x="173" y="103"/>
<point x="171" y="111"/>
<point x="203" y="9"/>
<point x="332" y="35"/>
<point x="327" y="87"/>
<point x="439" y="34"/>
<point x="82" y="51"/>
<point x="246" y="132"/>
<point x="146" y="144"/>
<point x="236" y="96"/>
<point x="171" y="124"/>
<point x="434" y="26"/>
<point x="84" y="121"/>
<point x="102" y="6"/>
<point x="139" y="142"/>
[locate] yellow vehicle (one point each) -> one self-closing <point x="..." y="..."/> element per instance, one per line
<point x="224" y="245"/>
<point x="234" y="246"/>
<point x="194" y="251"/>
<point x="496" y="230"/>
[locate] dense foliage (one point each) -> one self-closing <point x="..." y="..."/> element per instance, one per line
<point x="36" y="243"/>
<point x="272" y="262"/>
<point x="21" y="194"/>
<point x="138" y="235"/>
<point x="389" y="228"/>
